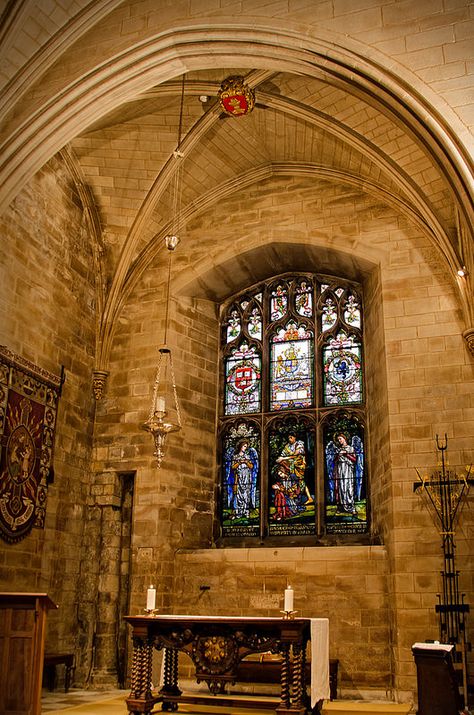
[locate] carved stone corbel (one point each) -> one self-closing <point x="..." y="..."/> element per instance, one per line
<point x="99" y="382"/>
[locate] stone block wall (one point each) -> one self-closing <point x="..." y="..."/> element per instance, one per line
<point x="419" y="381"/>
<point x="347" y="584"/>
<point x="47" y="307"/>
<point x="413" y="327"/>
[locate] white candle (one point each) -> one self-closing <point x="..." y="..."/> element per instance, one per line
<point x="160" y="404"/>
<point x="289" y="593"/>
<point x="150" y="599"/>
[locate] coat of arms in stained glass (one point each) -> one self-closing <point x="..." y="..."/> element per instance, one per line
<point x="291" y="368"/>
<point x="242" y="376"/>
<point x="346" y="498"/>
<point x="342" y="371"/>
<point x="240" y="509"/>
<point x="291" y="484"/>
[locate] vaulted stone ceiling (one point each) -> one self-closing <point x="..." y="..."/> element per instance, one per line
<point x="299" y="125"/>
<point x="104" y="85"/>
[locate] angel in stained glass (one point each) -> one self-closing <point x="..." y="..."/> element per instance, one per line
<point x="241" y="474"/>
<point x="345" y="466"/>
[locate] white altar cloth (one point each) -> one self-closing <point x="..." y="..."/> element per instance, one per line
<point x="319" y="660"/>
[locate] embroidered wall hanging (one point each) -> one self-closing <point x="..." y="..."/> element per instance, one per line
<point x="29" y="399"/>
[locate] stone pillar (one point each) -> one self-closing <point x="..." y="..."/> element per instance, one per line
<point x="108" y="496"/>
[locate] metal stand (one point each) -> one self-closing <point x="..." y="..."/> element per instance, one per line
<point x="446" y="491"/>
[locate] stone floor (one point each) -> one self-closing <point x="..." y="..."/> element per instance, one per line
<point x="88" y="702"/>
<point x="59" y="701"/>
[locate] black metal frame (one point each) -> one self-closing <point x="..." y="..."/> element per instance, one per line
<point x="446" y="492"/>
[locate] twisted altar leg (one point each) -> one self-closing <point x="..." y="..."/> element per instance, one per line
<point x="170" y="685"/>
<point x="140" y="699"/>
<point x="297" y="695"/>
<point x="285" y="677"/>
<point x="141" y="669"/>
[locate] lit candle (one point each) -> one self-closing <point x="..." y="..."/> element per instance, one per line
<point x="160" y="404"/>
<point x="150" y="599"/>
<point x="289" y="593"/>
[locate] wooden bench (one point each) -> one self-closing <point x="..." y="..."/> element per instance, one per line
<point x="51" y="660"/>
<point x="267" y="670"/>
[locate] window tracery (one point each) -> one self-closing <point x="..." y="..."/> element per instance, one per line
<point x="292" y="423"/>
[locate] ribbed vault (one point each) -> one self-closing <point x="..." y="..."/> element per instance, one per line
<point x="325" y="108"/>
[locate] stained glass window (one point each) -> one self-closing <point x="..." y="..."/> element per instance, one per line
<point x="342" y="370"/>
<point x="304" y="299"/>
<point x="233" y="326"/>
<point x="241" y="488"/>
<point x="292" y="462"/>
<point x="291" y="368"/>
<point x="243" y="369"/>
<point x="291" y="486"/>
<point x="352" y="311"/>
<point x="278" y="302"/>
<point x="329" y="315"/>
<point x="345" y="484"/>
<point x="255" y="324"/>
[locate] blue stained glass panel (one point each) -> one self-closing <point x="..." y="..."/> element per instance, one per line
<point x="345" y="481"/>
<point x="342" y="371"/>
<point x="243" y="381"/>
<point x="240" y="503"/>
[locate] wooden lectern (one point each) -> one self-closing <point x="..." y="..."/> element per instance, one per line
<point x="438" y="692"/>
<point x="22" y="633"/>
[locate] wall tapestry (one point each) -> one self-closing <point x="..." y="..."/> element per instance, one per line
<point x="29" y="399"/>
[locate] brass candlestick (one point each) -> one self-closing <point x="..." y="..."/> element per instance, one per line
<point x="289" y="615"/>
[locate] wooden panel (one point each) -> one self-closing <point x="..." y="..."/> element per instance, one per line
<point x="22" y="630"/>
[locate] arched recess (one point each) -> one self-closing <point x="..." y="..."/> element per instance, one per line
<point x="416" y="211"/>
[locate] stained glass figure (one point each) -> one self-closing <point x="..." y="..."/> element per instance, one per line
<point x="304" y="299"/>
<point x="291" y="368"/>
<point x="278" y="302"/>
<point x="342" y="371"/>
<point x="291" y="485"/>
<point x="233" y="326"/>
<point x="346" y="499"/>
<point x="352" y="312"/>
<point x="242" y="381"/>
<point x="329" y="314"/>
<point x="255" y="324"/>
<point x="240" y="481"/>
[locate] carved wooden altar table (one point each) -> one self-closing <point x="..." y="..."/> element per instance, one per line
<point x="216" y="645"/>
